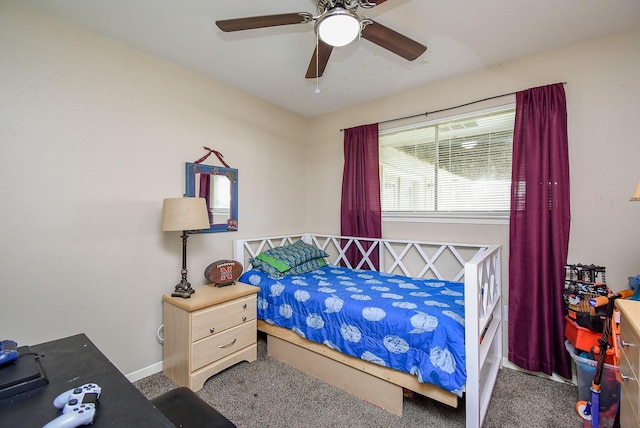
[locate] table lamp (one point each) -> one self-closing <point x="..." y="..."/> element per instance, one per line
<point x="184" y="214"/>
<point x="636" y="195"/>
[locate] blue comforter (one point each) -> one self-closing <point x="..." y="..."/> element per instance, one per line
<point x="412" y="325"/>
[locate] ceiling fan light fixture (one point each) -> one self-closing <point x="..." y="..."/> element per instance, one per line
<point x="339" y="27"/>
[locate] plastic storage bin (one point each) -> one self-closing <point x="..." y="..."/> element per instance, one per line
<point x="610" y="386"/>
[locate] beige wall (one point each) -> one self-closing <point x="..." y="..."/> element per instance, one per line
<point x="93" y="135"/>
<point x="603" y="97"/>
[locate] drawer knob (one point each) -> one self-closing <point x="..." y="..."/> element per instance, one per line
<point x="212" y="330"/>
<point x="228" y="344"/>
<point x="244" y="306"/>
<point x="244" y="319"/>
<point x="625" y="377"/>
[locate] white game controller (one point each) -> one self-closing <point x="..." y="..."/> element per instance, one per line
<point x="78" y="406"/>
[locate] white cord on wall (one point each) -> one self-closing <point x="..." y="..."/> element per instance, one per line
<point x="160" y="338"/>
<point x="317" y="91"/>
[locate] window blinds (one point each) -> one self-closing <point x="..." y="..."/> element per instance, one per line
<point x="459" y="164"/>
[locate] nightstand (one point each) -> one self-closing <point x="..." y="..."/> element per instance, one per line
<point x="210" y="331"/>
<point x="629" y="362"/>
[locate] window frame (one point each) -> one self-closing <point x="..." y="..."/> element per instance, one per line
<point x="470" y="217"/>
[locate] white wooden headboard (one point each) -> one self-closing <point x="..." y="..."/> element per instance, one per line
<point x="417" y="259"/>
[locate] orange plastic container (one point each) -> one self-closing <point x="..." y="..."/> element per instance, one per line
<point x="584" y="339"/>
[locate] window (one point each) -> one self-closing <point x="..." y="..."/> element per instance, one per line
<point x="453" y="166"/>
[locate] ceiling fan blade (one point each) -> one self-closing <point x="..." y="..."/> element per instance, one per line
<point x="393" y="41"/>
<point x="321" y="54"/>
<point x="252" y="22"/>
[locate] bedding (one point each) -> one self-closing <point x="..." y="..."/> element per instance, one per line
<point x="294" y="259"/>
<point x="412" y="325"/>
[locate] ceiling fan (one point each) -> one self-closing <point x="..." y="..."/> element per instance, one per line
<point x="337" y="25"/>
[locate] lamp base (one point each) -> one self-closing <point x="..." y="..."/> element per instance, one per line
<point x="183" y="290"/>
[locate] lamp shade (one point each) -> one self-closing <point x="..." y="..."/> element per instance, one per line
<point x="636" y="195"/>
<point x="184" y="214"/>
<point x="338" y="28"/>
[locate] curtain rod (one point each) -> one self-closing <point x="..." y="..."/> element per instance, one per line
<point x="427" y="113"/>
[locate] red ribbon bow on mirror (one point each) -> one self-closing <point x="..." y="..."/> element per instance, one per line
<point x="218" y="155"/>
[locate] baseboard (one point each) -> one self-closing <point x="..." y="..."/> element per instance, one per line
<point x="144" y="372"/>
<point x="508" y="364"/>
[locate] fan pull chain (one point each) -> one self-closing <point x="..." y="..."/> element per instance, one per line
<point x="317" y="91"/>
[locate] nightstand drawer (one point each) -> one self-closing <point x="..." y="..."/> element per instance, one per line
<point x="629" y="345"/>
<point x="221" y="317"/>
<point x="629" y="362"/>
<point x="629" y="400"/>
<point x="627" y="416"/>
<point x="222" y="344"/>
<point x="629" y="390"/>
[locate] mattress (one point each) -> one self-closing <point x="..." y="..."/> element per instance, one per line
<point x="411" y="325"/>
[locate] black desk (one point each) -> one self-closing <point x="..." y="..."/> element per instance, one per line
<point x="72" y="362"/>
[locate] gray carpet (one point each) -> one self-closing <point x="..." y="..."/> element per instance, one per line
<point x="270" y="394"/>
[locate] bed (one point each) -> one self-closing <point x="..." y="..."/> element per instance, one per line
<point x="447" y="297"/>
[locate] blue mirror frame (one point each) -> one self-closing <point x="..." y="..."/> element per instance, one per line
<point x="192" y="169"/>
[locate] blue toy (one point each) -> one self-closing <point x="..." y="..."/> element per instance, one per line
<point x="634" y="282"/>
<point x="8" y="351"/>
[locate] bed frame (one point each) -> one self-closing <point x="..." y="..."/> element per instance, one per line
<point x="479" y="266"/>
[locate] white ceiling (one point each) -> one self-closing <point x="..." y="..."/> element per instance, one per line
<point x="460" y="35"/>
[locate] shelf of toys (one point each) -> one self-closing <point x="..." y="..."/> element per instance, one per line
<point x="584" y="323"/>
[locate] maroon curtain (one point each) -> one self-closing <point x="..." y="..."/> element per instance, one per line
<point x="539" y="231"/>
<point x="361" y="213"/>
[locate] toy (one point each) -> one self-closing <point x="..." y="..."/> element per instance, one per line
<point x="634" y="282"/>
<point x="590" y="410"/>
<point x="223" y="272"/>
<point x="8" y="352"/>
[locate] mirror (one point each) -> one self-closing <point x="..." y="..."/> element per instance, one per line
<point x="219" y="187"/>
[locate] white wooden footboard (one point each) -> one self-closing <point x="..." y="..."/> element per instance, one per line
<point x="483" y="331"/>
<point x="476" y="264"/>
